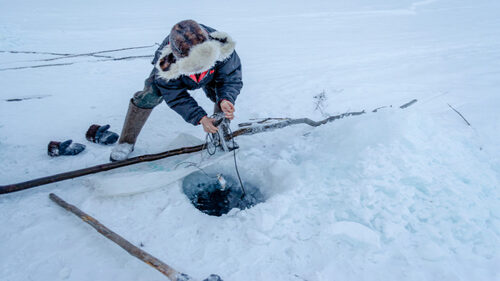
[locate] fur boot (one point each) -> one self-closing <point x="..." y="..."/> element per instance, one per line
<point x="134" y="121"/>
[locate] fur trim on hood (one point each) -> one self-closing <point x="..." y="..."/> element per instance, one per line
<point x="201" y="57"/>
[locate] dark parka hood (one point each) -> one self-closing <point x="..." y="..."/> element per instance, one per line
<point x="201" y="57"/>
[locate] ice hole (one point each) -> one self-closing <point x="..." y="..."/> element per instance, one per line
<point x="207" y="194"/>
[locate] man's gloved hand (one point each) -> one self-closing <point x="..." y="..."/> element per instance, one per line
<point x="228" y="108"/>
<point x="56" y="148"/>
<point x="100" y="134"/>
<point x="208" y="124"/>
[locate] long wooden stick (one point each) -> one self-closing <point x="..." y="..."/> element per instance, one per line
<point x="98" y="168"/>
<point x="259" y="128"/>
<point x="157" y="264"/>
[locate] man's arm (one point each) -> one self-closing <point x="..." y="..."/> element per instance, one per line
<point x="178" y="99"/>
<point x="228" y="81"/>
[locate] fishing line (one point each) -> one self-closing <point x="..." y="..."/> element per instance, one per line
<point x="243" y="192"/>
<point x="213" y="140"/>
<point x="193" y="164"/>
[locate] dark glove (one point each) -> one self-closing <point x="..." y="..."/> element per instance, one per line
<point x="100" y="134"/>
<point x="64" y="148"/>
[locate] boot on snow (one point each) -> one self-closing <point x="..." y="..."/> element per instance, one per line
<point x="121" y="151"/>
<point x="134" y="121"/>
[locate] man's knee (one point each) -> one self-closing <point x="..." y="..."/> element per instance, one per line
<point x="150" y="96"/>
<point x="146" y="99"/>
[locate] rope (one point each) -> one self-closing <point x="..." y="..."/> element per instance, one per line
<point x="211" y="141"/>
<point x="243" y="192"/>
<point x="193" y="164"/>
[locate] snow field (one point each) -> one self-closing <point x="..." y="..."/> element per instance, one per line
<point x="397" y="195"/>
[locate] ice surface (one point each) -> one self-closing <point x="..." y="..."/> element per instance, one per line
<point x="407" y="194"/>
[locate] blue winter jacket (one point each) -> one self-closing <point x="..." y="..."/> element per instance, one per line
<point x="212" y="65"/>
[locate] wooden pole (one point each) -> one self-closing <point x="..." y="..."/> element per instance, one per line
<point x="98" y="168"/>
<point x="157" y="264"/>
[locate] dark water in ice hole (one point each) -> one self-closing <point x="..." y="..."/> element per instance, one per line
<point x="206" y="195"/>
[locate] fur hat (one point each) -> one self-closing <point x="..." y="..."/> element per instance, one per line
<point x="184" y="35"/>
<point x="189" y="53"/>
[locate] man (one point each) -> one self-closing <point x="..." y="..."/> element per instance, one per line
<point x="192" y="56"/>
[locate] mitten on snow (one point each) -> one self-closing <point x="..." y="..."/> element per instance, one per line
<point x="100" y="134"/>
<point x="56" y="148"/>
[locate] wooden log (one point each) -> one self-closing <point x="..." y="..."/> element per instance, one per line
<point x="98" y="168"/>
<point x="157" y="264"/>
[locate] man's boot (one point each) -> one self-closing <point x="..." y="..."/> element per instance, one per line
<point x="134" y="121"/>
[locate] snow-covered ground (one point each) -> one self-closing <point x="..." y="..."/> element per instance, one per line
<point x="408" y="194"/>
